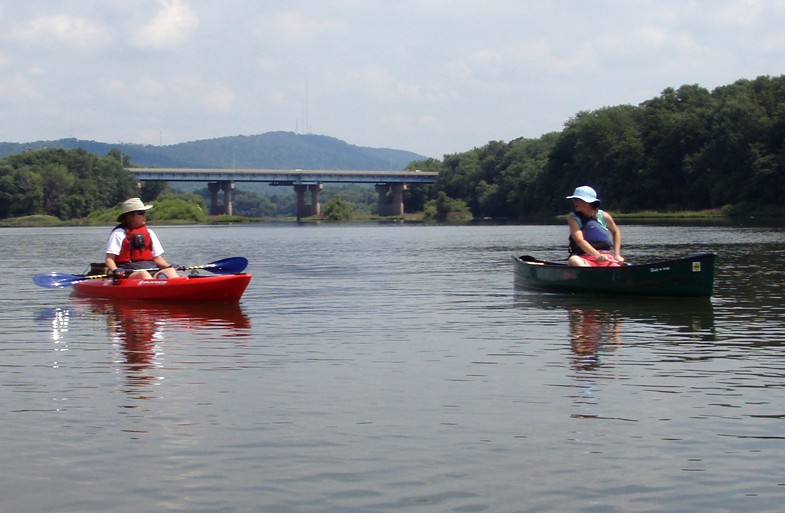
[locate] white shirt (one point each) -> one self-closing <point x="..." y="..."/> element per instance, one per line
<point x="117" y="237"/>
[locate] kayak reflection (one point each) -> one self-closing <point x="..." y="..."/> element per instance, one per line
<point x="138" y="329"/>
<point x="196" y="315"/>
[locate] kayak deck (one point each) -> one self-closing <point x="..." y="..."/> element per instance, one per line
<point x="222" y="288"/>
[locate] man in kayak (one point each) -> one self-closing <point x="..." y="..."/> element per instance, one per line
<point x="593" y="232"/>
<point x="133" y="249"/>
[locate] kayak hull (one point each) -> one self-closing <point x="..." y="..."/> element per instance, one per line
<point x="690" y="276"/>
<point x="221" y="288"/>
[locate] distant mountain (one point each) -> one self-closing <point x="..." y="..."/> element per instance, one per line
<point x="272" y="150"/>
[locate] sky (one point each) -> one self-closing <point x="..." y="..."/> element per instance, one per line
<point x="434" y="77"/>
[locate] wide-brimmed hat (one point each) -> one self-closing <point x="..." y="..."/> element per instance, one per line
<point x="585" y="193"/>
<point x="132" y="205"/>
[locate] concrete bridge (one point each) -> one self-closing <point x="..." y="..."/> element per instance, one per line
<point x="389" y="184"/>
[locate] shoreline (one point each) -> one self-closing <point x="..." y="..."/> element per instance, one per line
<point x="647" y="216"/>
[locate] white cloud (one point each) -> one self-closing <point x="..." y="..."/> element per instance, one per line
<point x="297" y="25"/>
<point x="173" y="24"/>
<point x="219" y="98"/>
<point x="20" y="87"/>
<point x="744" y="13"/>
<point x="60" y="29"/>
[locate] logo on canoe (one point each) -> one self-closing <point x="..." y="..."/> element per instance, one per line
<point x="696" y="267"/>
<point x="659" y="269"/>
<point x="568" y="275"/>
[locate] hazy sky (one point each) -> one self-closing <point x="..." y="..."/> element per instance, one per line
<point x="430" y="76"/>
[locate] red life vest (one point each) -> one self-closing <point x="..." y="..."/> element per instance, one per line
<point x="135" y="248"/>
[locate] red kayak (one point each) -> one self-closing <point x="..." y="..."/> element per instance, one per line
<point x="224" y="288"/>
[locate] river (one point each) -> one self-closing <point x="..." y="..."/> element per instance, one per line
<point x="374" y="368"/>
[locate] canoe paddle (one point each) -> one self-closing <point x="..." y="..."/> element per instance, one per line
<point x="232" y="265"/>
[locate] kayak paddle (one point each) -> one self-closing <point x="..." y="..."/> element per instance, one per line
<point x="233" y="265"/>
<point x="57" y="280"/>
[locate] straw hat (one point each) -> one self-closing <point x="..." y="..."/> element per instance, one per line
<point x="131" y="205"/>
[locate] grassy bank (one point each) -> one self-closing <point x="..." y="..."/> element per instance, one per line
<point x="714" y="214"/>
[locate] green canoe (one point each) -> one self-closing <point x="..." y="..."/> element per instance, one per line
<point x="690" y="276"/>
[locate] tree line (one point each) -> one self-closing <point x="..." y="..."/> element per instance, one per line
<point x="687" y="149"/>
<point x="66" y="184"/>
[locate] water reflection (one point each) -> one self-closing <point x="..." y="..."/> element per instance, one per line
<point x="138" y="330"/>
<point x="593" y="333"/>
<point x="599" y="325"/>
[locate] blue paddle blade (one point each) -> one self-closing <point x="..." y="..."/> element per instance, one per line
<point x="232" y="265"/>
<point x="59" y="280"/>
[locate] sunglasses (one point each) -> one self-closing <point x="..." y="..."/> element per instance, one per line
<point x="140" y="212"/>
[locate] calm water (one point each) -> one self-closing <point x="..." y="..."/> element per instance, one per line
<point x="393" y="368"/>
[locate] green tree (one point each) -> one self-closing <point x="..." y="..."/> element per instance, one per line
<point x="674" y="127"/>
<point x="337" y="209"/>
<point x="600" y="148"/>
<point x="63" y="183"/>
<point x="525" y="162"/>
<point x="444" y="208"/>
<point x="58" y="183"/>
<point x="152" y="189"/>
<point x="251" y="204"/>
<point x="168" y="207"/>
<point x="173" y="207"/>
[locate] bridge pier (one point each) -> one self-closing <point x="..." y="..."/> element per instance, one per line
<point x="226" y="187"/>
<point x="314" y="209"/>
<point x="395" y="206"/>
<point x="389" y="184"/>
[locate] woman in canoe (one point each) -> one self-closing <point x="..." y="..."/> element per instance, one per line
<point x="595" y="240"/>
<point x="133" y="248"/>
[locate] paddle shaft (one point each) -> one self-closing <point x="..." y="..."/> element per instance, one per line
<point x="233" y="265"/>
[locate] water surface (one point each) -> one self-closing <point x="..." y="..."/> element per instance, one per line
<point x="393" y="368"/>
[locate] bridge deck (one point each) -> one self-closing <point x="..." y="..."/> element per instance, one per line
<point x="281" y="176"/>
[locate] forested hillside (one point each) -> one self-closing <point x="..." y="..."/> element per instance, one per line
<point x="687" y="149"/>
<point x="272" y="150"/>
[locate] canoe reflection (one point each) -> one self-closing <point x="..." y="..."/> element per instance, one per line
<point x="598" y="324"/>
<point x="592" y="333"/>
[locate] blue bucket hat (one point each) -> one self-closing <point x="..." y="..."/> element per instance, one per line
<point x="585" y="193"/>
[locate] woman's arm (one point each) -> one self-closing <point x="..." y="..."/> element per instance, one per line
<point x="614" y="229"/>
<point x="110" y="261"/>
